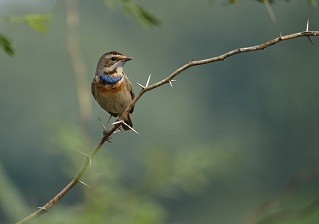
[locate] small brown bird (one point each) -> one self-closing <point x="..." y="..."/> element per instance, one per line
<point x="111" y="88"/>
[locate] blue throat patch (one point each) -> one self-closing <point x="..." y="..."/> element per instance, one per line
<point x="109" y="80"/>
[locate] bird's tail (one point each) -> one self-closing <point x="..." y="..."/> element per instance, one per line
<point x="129" y="122"/>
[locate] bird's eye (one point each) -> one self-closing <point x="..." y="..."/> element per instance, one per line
<point x="113" y="58"/>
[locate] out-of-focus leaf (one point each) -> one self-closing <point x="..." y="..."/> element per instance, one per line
<point x="189" y="170"/>
<point x="145" y="16"/>
<point x="6" y="45"/>
<point x="314" y="3"/>
<point x="12" y="202"/>
<point x="110" y="3"/>
<point x="38" y="22"/>
<point x="137" y="11"/>
<point x="263" y="1"/>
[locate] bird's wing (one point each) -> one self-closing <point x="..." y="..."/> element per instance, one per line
<point x="129" y="86"/>
<point x="92" y="87"/>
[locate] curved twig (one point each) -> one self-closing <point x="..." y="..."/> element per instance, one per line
<point x="167" y="80"/>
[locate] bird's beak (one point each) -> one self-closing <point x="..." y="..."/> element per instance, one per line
<point x="127" y="59"/>
<point x="121" y="62"/>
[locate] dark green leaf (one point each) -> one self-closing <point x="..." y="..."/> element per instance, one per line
<point x="146" y="17"/>
<point x="129" y="7"/>
<point x="6" y="45"/>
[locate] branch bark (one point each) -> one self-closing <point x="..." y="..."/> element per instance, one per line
<point x="107" y="134"/>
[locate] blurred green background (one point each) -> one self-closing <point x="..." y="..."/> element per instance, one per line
<point x="227" y="137"/>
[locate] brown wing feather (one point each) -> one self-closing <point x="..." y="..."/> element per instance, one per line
<point x="129" y="86"/>
<point x="92" y="88"/>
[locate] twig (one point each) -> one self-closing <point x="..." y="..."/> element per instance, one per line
<point x="73" y="182"/>
<point x="222" y="57"/>
<point x="167" y="80"/>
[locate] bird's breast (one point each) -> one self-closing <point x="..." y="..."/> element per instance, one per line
<point x="105" y="89"/>
<point x="112" y="98"/>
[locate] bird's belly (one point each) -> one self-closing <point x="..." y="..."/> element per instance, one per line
<point x="114" y="99"/>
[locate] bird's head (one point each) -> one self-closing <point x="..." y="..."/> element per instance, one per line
<point x="112" y="61"/>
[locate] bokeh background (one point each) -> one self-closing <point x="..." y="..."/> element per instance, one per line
<point x="226" y="138"/>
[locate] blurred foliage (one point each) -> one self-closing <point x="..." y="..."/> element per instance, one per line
<point x="38" y="22"/>
<point x="314" y="3"/>
<point x="135" y="10"/>
<point x="267" y="3"/>
<point x="11" y="201"/>
<point x="6" y="45"/>
<point x="187" y="170"/>
<point x="164" y="173"/>
<point x="311" y="2"/>
<point x="297" y="202"/>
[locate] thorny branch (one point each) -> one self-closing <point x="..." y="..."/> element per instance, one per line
<point x="168" y="80"/>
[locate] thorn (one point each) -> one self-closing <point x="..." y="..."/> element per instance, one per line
<point x="122" y="122"/>
<point x="131" y="128"/>
<point x="43" y="209"/>
<point x="143" y="87"/>
<point x="116" y="122"/>
<point x="280" y="35"/>
<point x="307" y="29"/>
<point x="310" y="40"/>
<point x="108" y="120"/>
<point x="86" y="155"/>
<point x="171" y="82"/>
<point x="103" y="124"/>
<point x="148" y="80"/>
<point x="119" y="128"/>
<point x="81" y="182"/>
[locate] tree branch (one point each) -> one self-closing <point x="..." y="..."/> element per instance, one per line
<point x="221" y="58"/>
<point x="168" y="79"/>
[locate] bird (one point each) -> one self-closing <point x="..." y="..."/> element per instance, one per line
<point x="111" y="88"/>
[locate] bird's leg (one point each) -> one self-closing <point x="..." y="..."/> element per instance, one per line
<point x="108" y="120"/>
